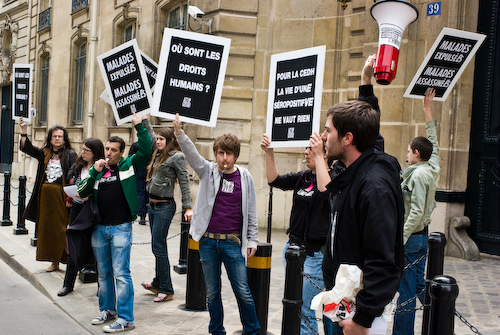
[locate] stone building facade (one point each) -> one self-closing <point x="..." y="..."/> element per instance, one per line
<point x="63" y="38"/>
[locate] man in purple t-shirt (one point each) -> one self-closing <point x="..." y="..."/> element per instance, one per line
<point x="225" y="223"/>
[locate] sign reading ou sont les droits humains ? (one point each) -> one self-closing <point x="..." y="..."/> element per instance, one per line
<point x="444" y="63"/>
<point x="190" y="76"/>
<point x="21" y="92"/>
<point x="151" y="69"/>
<point x="294" y="99"/>
<point x="126" y="81"/>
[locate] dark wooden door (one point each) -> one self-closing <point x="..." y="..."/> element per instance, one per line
<point x="483" y="181"/>
<point x="7" y="131"/>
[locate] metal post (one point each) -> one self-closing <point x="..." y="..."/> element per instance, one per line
<point x="6" y="200"/>
<point x="259" y="281"/>
<point x="270" y="215"/>
<point x="21" y="227"/>
<point x="181" y="268"/>
<point x="443" y="292"/>
<point x="435" y="264"/>
<point x="292" y="301"/>
<point x="196" y="292"/>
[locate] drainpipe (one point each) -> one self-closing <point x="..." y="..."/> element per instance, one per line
<point x="93" y="45"/>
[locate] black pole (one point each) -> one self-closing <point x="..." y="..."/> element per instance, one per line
<point x="435" y="264"/>
<point x="21" y="227"/>
<point x="292" y="301"/>
<point x="270" y="215"/>
<point x="6" y="200"/>
<point x="443" y="291"/>
<point x="181" y="268"/>
<point x="259" y="280"/>
<point x="196" y="292"/>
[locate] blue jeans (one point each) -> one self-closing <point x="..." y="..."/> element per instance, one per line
<point x="331" y="328"/>
<point x="111" y="245"/>
<point x="412" y="283"/>
<point x="160" y="217"/>
<point x="312" y="267"/>
<point x="212" y="254"/>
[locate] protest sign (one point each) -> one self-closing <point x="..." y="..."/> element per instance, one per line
<point x="151" y="68"/>
<point x="294" y="98"/>
<point x="444" y="63"/>
<point x="190" y="76"/>
<point x="21" y="92"/>
<point x="126" y="81"/>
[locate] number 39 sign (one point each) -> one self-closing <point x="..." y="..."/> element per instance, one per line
<point x="434" y="8"/>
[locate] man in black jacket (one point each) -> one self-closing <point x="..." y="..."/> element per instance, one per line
<point x="366" y="211"/>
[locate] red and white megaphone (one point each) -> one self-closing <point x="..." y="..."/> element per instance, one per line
<point x="392" y="17"/>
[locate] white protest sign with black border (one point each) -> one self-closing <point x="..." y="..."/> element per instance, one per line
<point x="22" y="75"/>
<point x="294" y="98"/>
<point x="444" y="63"/>
<point x="126" y="81"/>
<point x="190" y="77"/>
<point x="151" y="68"/>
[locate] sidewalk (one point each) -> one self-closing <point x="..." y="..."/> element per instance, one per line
<point x="478" y="301"/>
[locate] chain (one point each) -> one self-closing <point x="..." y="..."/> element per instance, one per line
<point x="13" y="204"/>
<point x="168" y="238"/>
<point x="305" y="318"/>
<point x="311" y="280"/>
<point x="398" y="309"/>
<point x="410" y="310"/>
<point x="15" y="188"/>
<point x="415" y="262"/>
<point x="472" y="328"/>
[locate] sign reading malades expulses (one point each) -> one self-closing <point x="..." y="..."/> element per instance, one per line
<point x="294" y="100"/>
<point x="444" y="63"/>
<point x="21" y="92"/>
<point x="126" y="81"/>
<point x="150" y="67"/>
<point x="190" y="76"/>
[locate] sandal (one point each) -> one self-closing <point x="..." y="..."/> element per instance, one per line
<point x="150" y="287"/>
<point x="163" y="297"/>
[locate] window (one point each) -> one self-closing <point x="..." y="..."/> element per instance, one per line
<point x="128" y="32"/>
<point x="177" y="17"/>
<point x="44" y="92"/>
<point x="80" y="59"/>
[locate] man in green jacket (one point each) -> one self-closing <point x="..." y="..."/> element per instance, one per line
<point x="419" y="185"/>
<point x="112" y="183"/>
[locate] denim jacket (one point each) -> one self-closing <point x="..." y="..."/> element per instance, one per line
<point x="162" y="181"/>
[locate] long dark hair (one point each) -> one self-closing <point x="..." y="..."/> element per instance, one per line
<point x="171" y="144"/>
<point x="95" y="145"/>
<point x="67" y="143"/>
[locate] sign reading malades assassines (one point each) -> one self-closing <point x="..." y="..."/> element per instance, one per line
<point x="444" y="63"/>
<point x="21" y="92"/>
<point x="126" y="81"/>
<point x="151" y="68"/>
<point x="190" y="76"/>
<point x="294" y="98"/>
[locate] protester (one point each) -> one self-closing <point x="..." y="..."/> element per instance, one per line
<point x="366" y="211"/>
<point x="225" y="224"/>
<point x="309" y="224"/>
<point x="419" y="185"/>
<point x="92" y="150"/>
<point x="47" y="206"/>
<point x="112" y="183"/>
<point x="166" y="168"/>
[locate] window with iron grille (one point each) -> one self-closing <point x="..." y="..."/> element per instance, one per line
<point x="44" y="92"/>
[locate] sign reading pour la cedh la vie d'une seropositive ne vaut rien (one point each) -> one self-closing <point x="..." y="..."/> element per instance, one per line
<point x="294" y="98"/>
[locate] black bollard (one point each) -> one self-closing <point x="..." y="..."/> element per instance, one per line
<point x="196" y="292"/>
<point x="21" y="227"/>
<point x="6" y="200"/>
<point x="259" y="280"/>
<point x="443" y="291"/>
<point x="181" y="268"/>
<point x="292" y="301"/>
<point x="435" y="264"/>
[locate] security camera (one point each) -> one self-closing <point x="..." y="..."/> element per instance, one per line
<point x="195" y="12"/>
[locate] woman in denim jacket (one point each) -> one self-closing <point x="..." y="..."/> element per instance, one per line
<point x="167" y="166"/>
